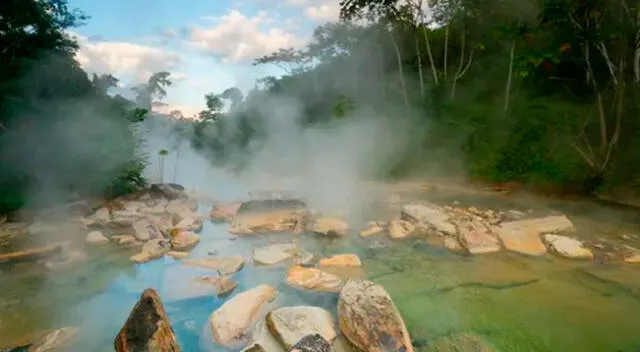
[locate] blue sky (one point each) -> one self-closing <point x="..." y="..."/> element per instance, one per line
<point x="208" y="45"/>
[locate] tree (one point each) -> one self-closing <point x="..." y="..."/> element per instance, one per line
<point x="153" y="88"/>
<point x="234" y="95"/>
<point x="104" y="82"/>
<point x="290" y="60"/>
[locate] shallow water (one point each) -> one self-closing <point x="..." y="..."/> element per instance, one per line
<point x="515" y="303"/>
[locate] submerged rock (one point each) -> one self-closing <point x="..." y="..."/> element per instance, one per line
<point x="370" y="320"/>
<point x="290" y="324"/>
<point x="313" y="279"/>
<point x="230" y="322"/>
<point x="182" y="240"/>
<point x="147" y="329"/>
<point x="521" y="239"/>
<point x="224" y="266"/>
<point x="55" y="341"/>
<point x="32" y="253"/>
<point x="330" y="226"/>
<point x="224" y="284"/>
<point x="96" y="237"/>
<point x="568" y="247"/>
<point x="277" y="253"/>
<point x="312" y="343"/>
<point x="177" y="254"/>
<point x="399" y="229"/>
<point x="151" y="250"/>
<point x="224" y="212"/>
<point x="341" y="260"/>
<point x="477" y="238"/>
<point x="428" y="217"/>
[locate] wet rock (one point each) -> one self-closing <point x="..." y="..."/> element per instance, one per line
<point x="177" y="254"/>
<point x="55" y="341"/>
<point x="313" y="279"/>
<point x="329" y="226"/>
<point x="183" y="240"/>
<point x="459" y="343"/>
<point x="190" y="222"/>
<point x="224" y="212"/>
<point x="278" y="253"/>
<point x="290" y="324"/>
<point x="519" y="238"/>
<point x="399" y="229"/>
<point x="453" y="245"/>
<point x="373" y="229"/>
<point x="261" y="339"/>
<point x="511" y="215"/>
<point x="370" y="320"/>
<point x="224" y="266"/>
<point x="101" y="217"/>
<point x="341" y="260"/>
<point x="549" y="224"/>
<point x="477" y="238"/>
<point x="124" y="239"/>
<point x="144" y="230"/>
<point x="567" y="247"/>
<point x="312" y="343"/>
<point x="428" y="217"/>
<point x="97" y="238"/>
<point x="631" y="255"/>
<point x="184" y="205"/>
<point x="147" y="328"/>
<point x="270" y="222"/>
<point x="224" y="284"/>
<point x="151" y="250"/>
<point x="169" y="190"/>
<point x="230" y="322"/>
<point x="32" y="253"/>
<point x="72" y="257"/>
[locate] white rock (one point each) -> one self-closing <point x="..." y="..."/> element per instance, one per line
<point x="567" y="247"/>
<point x="290" y="324"/>
<point x="96" y="237"/>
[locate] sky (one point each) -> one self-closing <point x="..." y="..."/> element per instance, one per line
<point x="207" y="45"/>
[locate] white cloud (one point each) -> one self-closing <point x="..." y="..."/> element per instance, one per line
<point x="124" y="60"/>
<point x="318" y="10"/>
<point x="186" y="110"/>
<point x="238" y="38"/>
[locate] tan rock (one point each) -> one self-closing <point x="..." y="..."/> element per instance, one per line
<point x="521" y="239"/>
<point x="329" y="226"/>
<point x="369" y="319"/>
<point x="313" y="279"/>
<point x="453" y="245"/>
<point x="373" y="229"/>
<point x="225" y="265"/>
<point x="428" y="217"/>
<point x="477" y="238"/>
<point x="399" y="229"/>
<point x="224" y="212"/>
<point x="235" y="316"/>
<point x="97" y="238"/>
<point x="290" y="324"/>
<point x="341" y="260"/>
<point x="177" y="254"/>
<point x="567" y="247"/>
<point x="182" y="240"/>
<point x="147" y="328"/>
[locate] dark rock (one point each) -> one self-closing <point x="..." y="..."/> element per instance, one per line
<point x="312" y="343"/>
<point x="147" y="328"/>
<point x="170" y="191"/>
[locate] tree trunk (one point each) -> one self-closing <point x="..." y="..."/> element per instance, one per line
<point x="431" y="62"/>
<point x="446" y="48"/>
<point x="401" y="72"/>
<point x="507" y="92"/>
<point x="420" y="76"/>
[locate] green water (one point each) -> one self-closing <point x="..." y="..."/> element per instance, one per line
<point x="514" y="303"/>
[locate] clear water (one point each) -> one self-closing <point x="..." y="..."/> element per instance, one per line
<point x="515" y="303"/>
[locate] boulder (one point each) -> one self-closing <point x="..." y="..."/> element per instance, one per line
<point x="147" y="328"/>
<point x="177" y="254"/>
<point x="225" y="285"/>
<point x="56" y="340"/>
<point x="477" y="238"/>
<point x="567" y="247"/>
<point x="523" y="236"/>
<point x="330" y="226"/>
<point x="224" y="266"/>
<point x="312" y="343"/>
<point x="341" y="260"/>
<point x="230" y="322"/>
<point x="369" y="319"/>
<point x="169" y="190"/>
<point x="182" y="240"/>
<point x="290" y="324"/>
<point x="96" y="237"/>
<point x="313" y="279"/>
<point x="144" y="230"/>
<point x="277" y="253"/>
<point x="428" y="217"/>
<point x="453" y="245"/>
<point x="224" y="212"/>
<point x="261" y="340"/>
<point x="399" y="229"/>
<point x="373" y="229"/>
<point x="124" y="239"/>
<point x="151" y="250"/>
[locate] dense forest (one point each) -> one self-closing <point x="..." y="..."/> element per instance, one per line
<point x="543" y="93"/>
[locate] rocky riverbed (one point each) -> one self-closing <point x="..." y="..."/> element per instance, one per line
<point x="275" y="275"/>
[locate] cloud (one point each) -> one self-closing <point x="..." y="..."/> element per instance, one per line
<point x="125" y="60"/>
<point x="187" y="111"/>
<point x="318" y="10"/>
<point x="237" y="38"/>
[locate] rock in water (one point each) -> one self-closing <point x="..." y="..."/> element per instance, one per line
<point x="290" y="324"/>
<point x="477" y="238"/>
<point x="235" y="316"/>
<point x="56" y="341"/>
<point x="427" y="216"/>
<point x="182" y="240"/>
<point x="96" y="237"/>
<point x="459" y="343"/>
<point x="568" y="247"/>
<point x="399" y="229"/>
<point x="370" y="320"/>
<point x="225" y="266"/>
<point x="331" y="227"/>
<point x="523" y="236"/>
<point x="313" y="279"/>
<point x="225" y="285"/>
<point x="341" y="260"/>
<point x="312" y="343"/>
<point x="147" y="328"/>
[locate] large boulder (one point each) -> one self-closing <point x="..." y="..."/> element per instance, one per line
<point x="144" y="230"/>
<point x="224" y="211"/>
<point x="312" y="343"/>
<point x="330" y="226"/>
<point x="523" y="236"/>
<point x="230" y="322"/>
<point x="477" y="238"/>
<point x="369" y="319"/>
<point x="224" y="266"/>
<point x="568" y="247"/>
<point x="148" y="328"/>
<point x="182" y="240"/>
<point x="290" y="324"/>
<point x="428" y="217"/>
<point x="313" y="279"/>
<point x="169" y="191"/>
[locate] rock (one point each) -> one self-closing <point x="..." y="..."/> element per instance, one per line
<point x="71" y="258"/>
<point x="144" y="230"/>
<point x="147" y="328"/>
<point x="178" y="206"/>
<point x="513" y="215"/>
<point x="177" y="254"/>
<point x="567" y="247"/>
<point x="290" y="324"/>
<point x="341" y="260"/>
<point x="225" y="285"/>
<point x="519" y="238"/>
<point x="169" y="190"/>
<point x="399" y="229"/>
<point x="373" y="229"/>
<point x="477" y="238"/>
<point x="151" y="250"/>
<point x="124" y="239"/>
<point x="313" y="279"/>
<point x="428" y="217"/>
<point x="453" y="245"/>
<point x="224" y="212"/>
<point x="270" y="222"/>
<point x="235" y="316"/>
<point x="459" y="343"/>
<point x="633" y="259"/>
<point x="262" y="340"/>
<point x="370" y="320"/>
<point x="56" y="340"/>
<point x="96" y="237"/>
<point x="277" y="253"/>
<point x="182" y="240"/>
<point x="224" y="266"/>
<point x="312" y="343"/>
<point x="32" y="253"/>
<point x="330" y="227"/>
<point x="102" y="217"/>
<point x="192" y="222"/>
<point x="549" y="224"/>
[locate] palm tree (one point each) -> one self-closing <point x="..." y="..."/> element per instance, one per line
<point x="154" y="88"/>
